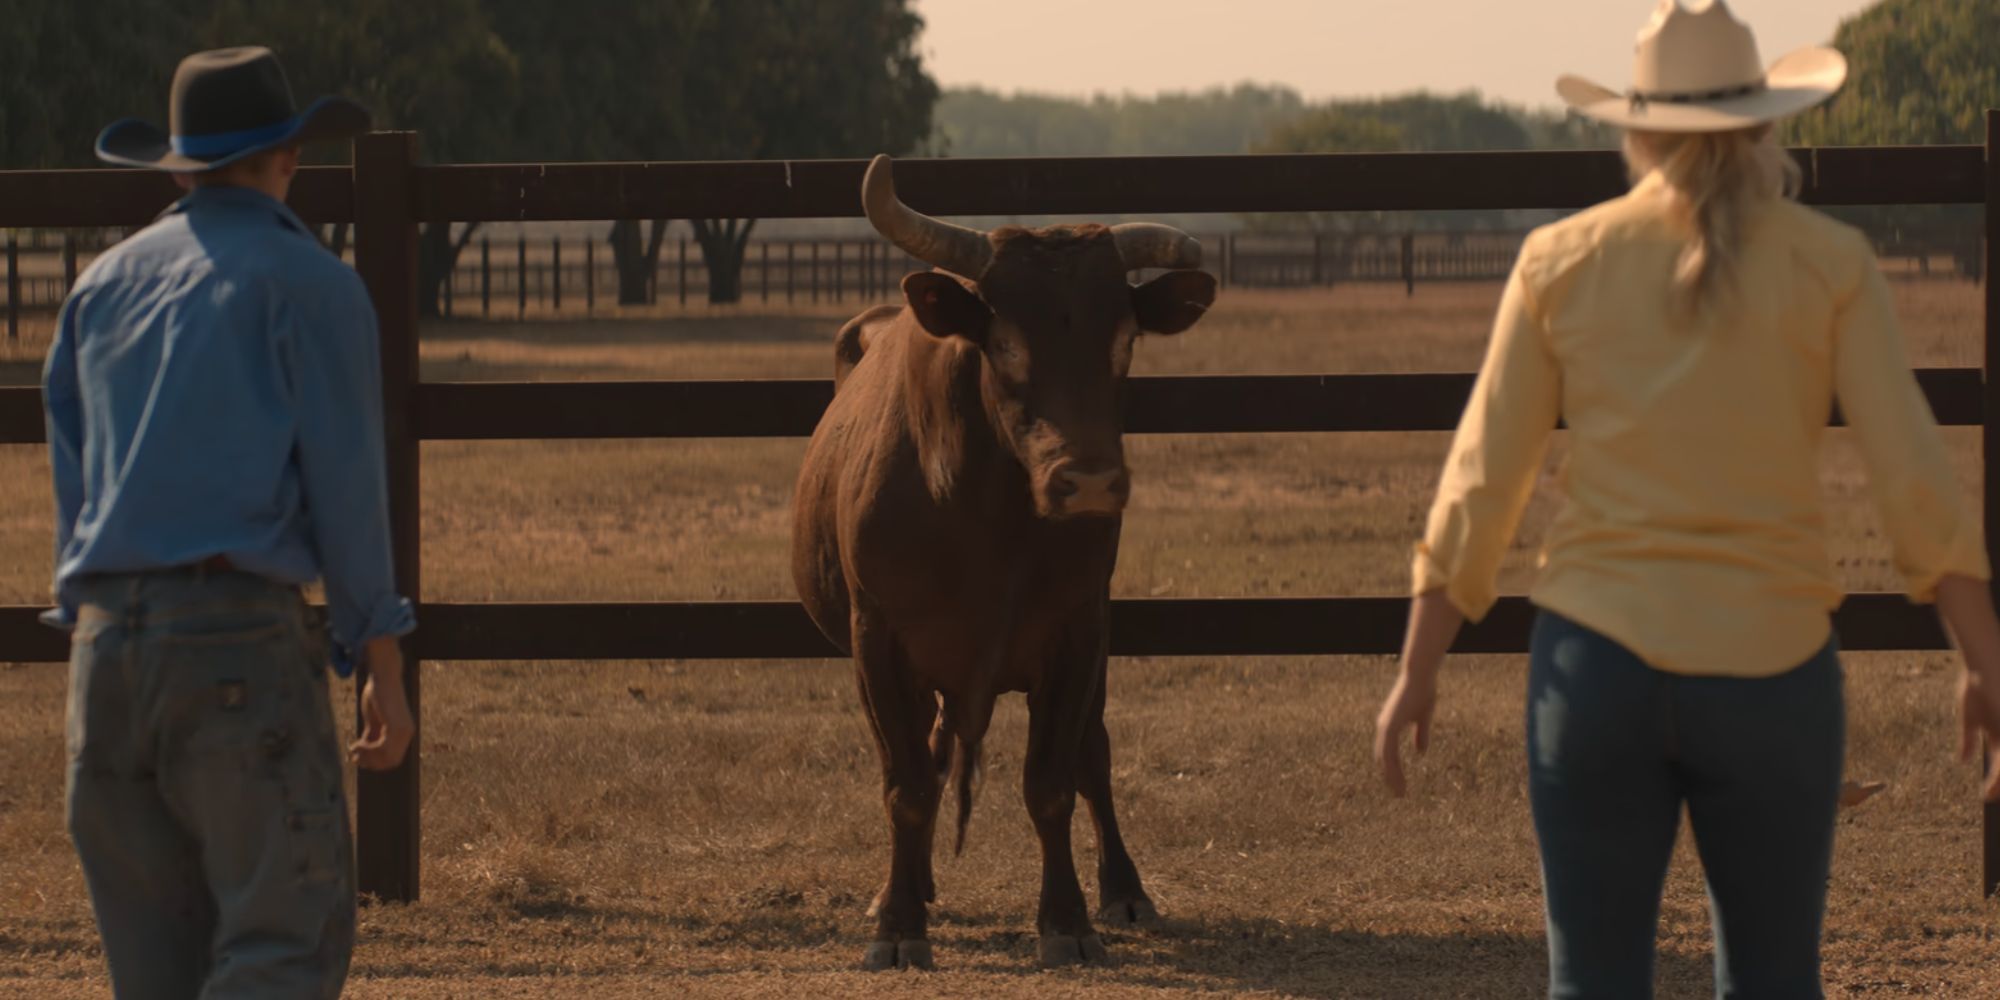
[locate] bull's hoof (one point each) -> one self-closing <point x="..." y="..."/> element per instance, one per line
<point x="1128" y="913"/>
<point x="885" y="955"/>
<point x="1059" y="950"/>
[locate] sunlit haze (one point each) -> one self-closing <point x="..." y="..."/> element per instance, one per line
<point x="1323" y="48"/>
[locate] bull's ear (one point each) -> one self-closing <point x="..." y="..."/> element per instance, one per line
<point x="945" y="308"/>
<point x="1173" y="301"/>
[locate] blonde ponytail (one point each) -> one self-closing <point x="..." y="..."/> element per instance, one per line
<point x="1716" y="178"/>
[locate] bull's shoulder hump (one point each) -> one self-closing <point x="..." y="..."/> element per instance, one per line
<point x="851" y="343"/>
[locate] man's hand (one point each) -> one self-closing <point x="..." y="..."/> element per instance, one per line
<point x="386" y="726"/>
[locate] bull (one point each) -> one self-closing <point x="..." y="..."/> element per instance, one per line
<point x="956" y="525"/>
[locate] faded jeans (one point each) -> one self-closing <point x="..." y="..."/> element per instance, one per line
<point x="1616" y="749"/>
<point x="205" y="796"/>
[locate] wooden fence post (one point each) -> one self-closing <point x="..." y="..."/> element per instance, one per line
<point x="764" y="267"/>
<point x="69" y="262"/>
<point x="486" y="277"/>
<point x="791" y="271"/>
<point x="813" y="279"/>
<point x="555" y="285"/>
<point x="839" y="264"/>
<point x="589" y="276"/>
<point x="1409" y="264"/>
<point x="13" y="286"/>
<point x="681" y="279"/>
<point x="521" y="276"/>
<point x="385" y="252"/>
<point x="1990" y="442"/>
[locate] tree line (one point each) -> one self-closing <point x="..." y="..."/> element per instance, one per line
<point x="530" y="80"/>
<point x="506" y="80"/>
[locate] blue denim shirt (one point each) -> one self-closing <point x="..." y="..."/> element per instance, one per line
<point x="214" y="389"/>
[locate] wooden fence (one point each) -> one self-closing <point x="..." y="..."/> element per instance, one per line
<point x="387" y="195"/>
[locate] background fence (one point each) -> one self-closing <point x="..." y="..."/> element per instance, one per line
<point x="512" y="275"/>
<point x="387" y="196"/>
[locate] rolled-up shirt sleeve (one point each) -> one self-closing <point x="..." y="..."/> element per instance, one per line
<point x="62" y="402"/>
<point x="1933" y="530"/>
<point x="338" y="385"/>
<point x="1490" y="474"/>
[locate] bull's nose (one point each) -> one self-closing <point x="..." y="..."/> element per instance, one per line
<point x="1091" y="490"/>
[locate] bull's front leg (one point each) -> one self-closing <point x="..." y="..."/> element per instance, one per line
<point x="909" y="792"/>
<point x="940" y="748"/>
<point x="1121" y="899"/>
<point x="1058" y="714"/>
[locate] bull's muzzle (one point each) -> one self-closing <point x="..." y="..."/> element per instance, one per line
<point x="1076" y="490"/>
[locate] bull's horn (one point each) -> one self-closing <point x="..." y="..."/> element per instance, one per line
<point x="961" y="251"/>
<point x="1149" y="244"/>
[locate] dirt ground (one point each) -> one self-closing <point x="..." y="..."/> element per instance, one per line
<point x="715" y="829"/>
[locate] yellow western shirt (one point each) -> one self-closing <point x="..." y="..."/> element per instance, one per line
<point x="1693" y="531"/>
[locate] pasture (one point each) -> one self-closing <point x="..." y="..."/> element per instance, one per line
<point x="634" y="829"/>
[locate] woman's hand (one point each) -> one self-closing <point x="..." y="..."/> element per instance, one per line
<point x="1409" y="706"/>
<point x="1966" y="604"/>
<point x="1979" y="717"/>
<point x="1434" y="625"/>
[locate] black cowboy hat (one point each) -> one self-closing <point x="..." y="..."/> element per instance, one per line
<point x="228" y="104"/>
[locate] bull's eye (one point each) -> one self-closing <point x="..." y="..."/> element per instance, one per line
<point x="1010" y="358"/>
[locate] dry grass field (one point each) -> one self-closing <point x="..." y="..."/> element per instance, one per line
<point x="712" y="829"/>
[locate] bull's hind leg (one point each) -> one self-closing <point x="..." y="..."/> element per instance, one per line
<point x="1121" y="900"/>
<point x="909" y="792"/>
<point x="1057" y="716"/>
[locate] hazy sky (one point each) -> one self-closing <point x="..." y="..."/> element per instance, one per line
<point x="1509" y="49"/>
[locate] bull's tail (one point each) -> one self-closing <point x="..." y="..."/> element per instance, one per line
<point x="965" y="774"/>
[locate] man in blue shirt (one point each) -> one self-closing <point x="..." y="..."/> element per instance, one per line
<point x="215" y="432"/>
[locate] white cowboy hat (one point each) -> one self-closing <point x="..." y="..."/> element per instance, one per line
<point x="1698" y="70"/>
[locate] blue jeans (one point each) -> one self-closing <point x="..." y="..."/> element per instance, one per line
<point x="1615" y="749"/>
<point x="204" y="788"/>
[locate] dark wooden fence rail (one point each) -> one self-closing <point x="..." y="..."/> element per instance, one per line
<point x="387" y="196"/>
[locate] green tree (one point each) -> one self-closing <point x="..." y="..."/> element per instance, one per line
<point x="67" y="69"/>
<point x="1920" y="72"/>
<point x="799" y="79"/>
<point x="976" y="122"/>
<point x="1333" y="129"/>
<point x="486" y="80"/>
<point x="608" y="86"/>
<point x="1420" y="122"/>
<point x="436" y="67"/>
<point x="709" y="80"/>
<point x="1436" y="123"/>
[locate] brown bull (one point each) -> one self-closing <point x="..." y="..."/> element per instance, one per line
<point x="956" y="525"/>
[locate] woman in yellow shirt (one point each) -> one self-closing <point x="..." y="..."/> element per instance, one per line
<point x="1693" y="337"/>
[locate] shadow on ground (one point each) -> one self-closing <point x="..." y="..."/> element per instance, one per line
<point x="793" y="935"/>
